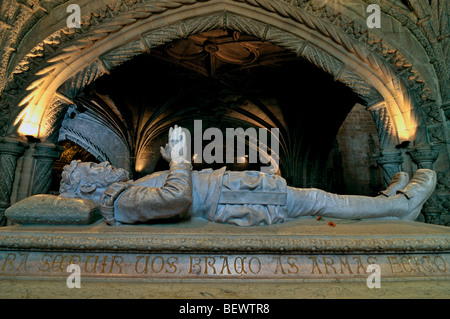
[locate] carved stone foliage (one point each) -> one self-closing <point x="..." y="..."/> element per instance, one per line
<point x="386" y="132"/>
<point x="71" y="88"/>
<point x="360" y="86"/>
<point x="122" y="54"/>
<point x="53" y="118"/>
<point x="425" y="157"/>
<point x="428" y="23"/>
<point x="67" y="133"/>
<point x="104" y="22"/>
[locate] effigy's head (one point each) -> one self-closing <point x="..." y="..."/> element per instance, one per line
<point x="89" y="180"/>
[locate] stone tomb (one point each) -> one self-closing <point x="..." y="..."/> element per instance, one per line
<point x="197" y="259"/>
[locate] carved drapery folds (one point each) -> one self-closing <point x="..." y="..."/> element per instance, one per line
<point x="10" y="150"/>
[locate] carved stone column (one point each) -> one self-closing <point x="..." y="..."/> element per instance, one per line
<point x="45" y="155"/>
<point x="36" y="170"/>
<point x="425" y="158"/>
<point x="10" y="150"/>
<point x="391" y="163"/>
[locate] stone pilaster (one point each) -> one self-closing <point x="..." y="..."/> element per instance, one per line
<point x="425" y="158"/>
<point x="10" y="150"/>
<point x="45" y="155"/>
<point x="36" y="170"/>
<point x="390" y="162"/>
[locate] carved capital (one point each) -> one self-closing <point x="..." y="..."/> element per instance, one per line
<point x="47" y="151"/>
<point x="12" y="146"/>
<point x="425" y="157"/>
<point x="390" y="161"/>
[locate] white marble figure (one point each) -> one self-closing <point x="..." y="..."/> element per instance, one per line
<point x="242" y="198"/>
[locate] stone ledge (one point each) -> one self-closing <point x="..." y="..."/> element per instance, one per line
<point x="300" y="236"/>
<point x="170" y="260"/>
<point x="51" y="289"/>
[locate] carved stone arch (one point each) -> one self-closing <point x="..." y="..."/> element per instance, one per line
<point x="78" y="138"/>
<point x="354" y="69"/>
<point x="53" y="72"/>
<point x="310" y="36"/>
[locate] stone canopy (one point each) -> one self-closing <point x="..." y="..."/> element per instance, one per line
<point x="110" y="90"/>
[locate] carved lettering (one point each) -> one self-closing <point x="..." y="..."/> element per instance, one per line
<point x="232" y="266"/>
<point x="315" y="265"/>
<point x="136" y="264"/>
<point x="157" y="264"/>
<point x="104" y="264"/>
<point x="194" y="267"/>
<point x="279" y="264"/>
<point x="225" y="266"/>
<point x="94" y="267"/>
<point x="23" y="262"/>
<point x="10" y="257"/>
<point x="252" y="267"/>
<point x="440" y="263"/>
<point x="117" y="261"/>
<point x="171" y="262"/>
<point x="239" y="264"/>
<point x="393" y="262"/>
<point x="344" y="263"/>
<point x="328" y="262"/>
<point x="57" y="263"/>
<point x="406" y="263"/>
<point x="74" y="259"/>
<point x="431" y="269"/>
<point x="210" y="261"/>
<point x="360" y="265"/>
<point x="292" y="261"/>
<point x="45" y="262"/>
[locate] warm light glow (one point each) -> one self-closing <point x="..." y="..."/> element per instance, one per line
<point x="241" y="159"/>
<point x="27" y="128"/>
<point x="406" y="123"/>
<point x="140" y="165"/>
<point x="30" y="124"/>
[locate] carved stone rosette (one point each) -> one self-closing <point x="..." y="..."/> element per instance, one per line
<point x="425" y="158"/>
<point x="10" y="150"/>
<point x="390" y="161"/>
<point x="44" y="155"/>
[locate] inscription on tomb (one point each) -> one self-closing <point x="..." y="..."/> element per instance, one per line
<point x="220" y="266"/>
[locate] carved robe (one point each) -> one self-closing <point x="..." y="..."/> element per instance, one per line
<point x="242" y="198"/>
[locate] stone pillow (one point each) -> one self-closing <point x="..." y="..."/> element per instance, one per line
<point x="53" y="210"/>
